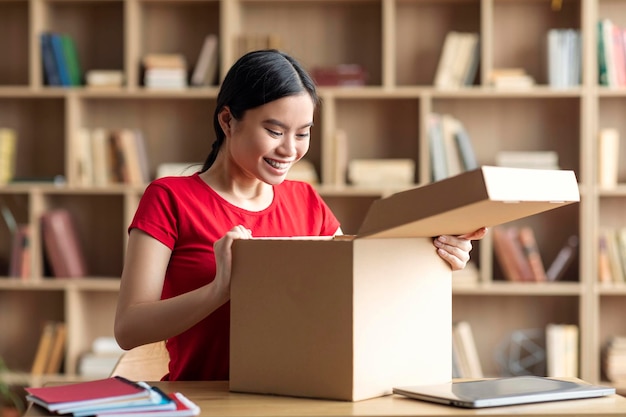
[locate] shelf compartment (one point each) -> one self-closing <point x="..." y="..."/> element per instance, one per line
<point x="176" y="27"/>
<point x="380" y="128"/>
<point x="552" y="230"/>
<point x="420" y="31"/>
<point x="39" y="123"/>
<point x="175" y="128"/>
<point x="522" y="28"/>
<point x="97" y="28"/>
<point x="18" y="205"/>
<point x="14" y="43"/>
<point x="102" y="241"/>
<point x="321" y="33"/>
<point x="611" y="115"/>
<point x="21" y="331"/>
<point x="523" y="312"/>
<point x="91" y="314"/>
<point x="519" y="124"/>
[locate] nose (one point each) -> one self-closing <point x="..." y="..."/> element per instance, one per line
<point x="287" y="146"/>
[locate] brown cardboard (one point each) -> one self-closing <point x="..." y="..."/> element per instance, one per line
<point x="350" y="318"/>
<point x="486" y="196"/>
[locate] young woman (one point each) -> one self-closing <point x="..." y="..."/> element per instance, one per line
<point x="176" y="277"/>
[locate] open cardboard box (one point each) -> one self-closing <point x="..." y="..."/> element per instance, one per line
<point x="350" y="317"/>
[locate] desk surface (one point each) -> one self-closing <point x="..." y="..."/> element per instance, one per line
<point x="215" y="400"/>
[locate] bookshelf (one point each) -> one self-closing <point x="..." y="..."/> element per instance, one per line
<point x="398" y="42"/>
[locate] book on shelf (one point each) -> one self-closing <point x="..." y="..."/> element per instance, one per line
<point x="62" y="246"/>
<point x="608" y="157"/>
<point x="605" y="270"/>
<point x="458" y="61"/>
<point x="61" y="65"/>
<point x="528" y="159"/>
<point x="466" y="362"/>
<point x="381" y="172"/>
<point x="164" y="71"/>
<point x="562" y="350"/>
<point x="110" y="156"/>
<point x="111" y="396"/>
<point x="532" y="253"/>
<point x="450" y="146"/>
<point x="102" y="78"/>
<point x="50" y="348"/>
<point x="344" y="75"/>
<point x="205" y="71"/>
<point x="100" y="361"/>
<point x="20" y="260"/>
<point x="611" y="53"/>
<point x="8" y="154"/>
<point x="564" y="57"/>
<point x="510" y="254"/>
<point x="563" y="260"/>
<point x="510" y="78"/>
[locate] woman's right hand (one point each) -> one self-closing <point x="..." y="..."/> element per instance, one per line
<point x="224" y="258"/>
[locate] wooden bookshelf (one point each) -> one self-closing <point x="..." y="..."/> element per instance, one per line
<point x="398" y="42"/>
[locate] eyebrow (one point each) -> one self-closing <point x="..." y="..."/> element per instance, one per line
<point x="284" y="126"/>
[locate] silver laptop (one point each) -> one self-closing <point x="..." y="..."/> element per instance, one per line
<point x="503" y="391"/>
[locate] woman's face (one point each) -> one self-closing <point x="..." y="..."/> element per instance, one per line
<point x="269" y="139"/>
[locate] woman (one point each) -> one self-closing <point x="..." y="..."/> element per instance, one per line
<point x="176" y="277"/>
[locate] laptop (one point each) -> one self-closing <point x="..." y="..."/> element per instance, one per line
<point x="503" y="391"/>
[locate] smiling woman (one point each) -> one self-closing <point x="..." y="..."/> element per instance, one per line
<point x="176" y="279"/>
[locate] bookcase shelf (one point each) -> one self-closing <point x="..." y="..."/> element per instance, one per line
<point x="398" y="43"/>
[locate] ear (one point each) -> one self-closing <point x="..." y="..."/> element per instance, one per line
<point x="225" y="118"/>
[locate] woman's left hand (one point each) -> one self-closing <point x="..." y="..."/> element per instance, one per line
<point x="456" y="249"/>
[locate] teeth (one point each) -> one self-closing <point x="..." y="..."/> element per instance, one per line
<point x="278" y="165"/>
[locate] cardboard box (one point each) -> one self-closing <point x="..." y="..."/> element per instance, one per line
<point x="350" y="317"/>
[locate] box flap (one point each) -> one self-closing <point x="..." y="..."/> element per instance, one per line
<point x="486" y="196"/>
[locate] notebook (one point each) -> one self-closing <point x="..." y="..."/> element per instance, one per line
<point x="503" y="391"/>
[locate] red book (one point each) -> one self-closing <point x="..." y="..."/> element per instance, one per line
<point x="64" y="398"/>
<point x="61" y="243"/>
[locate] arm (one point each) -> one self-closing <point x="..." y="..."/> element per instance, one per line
<point x="456" y="249"/>
<point x="141" y="316"/>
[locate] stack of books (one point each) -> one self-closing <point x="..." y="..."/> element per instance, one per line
<point x="114" y="397"/>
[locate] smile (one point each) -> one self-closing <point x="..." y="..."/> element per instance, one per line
<point x="278" y="165"/>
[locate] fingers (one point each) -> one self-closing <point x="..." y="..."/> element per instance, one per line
<point x="454" y="250"/>
<point x="475" y="235"/>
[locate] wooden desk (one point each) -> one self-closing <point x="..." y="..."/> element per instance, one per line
<point x="215" y="400"/>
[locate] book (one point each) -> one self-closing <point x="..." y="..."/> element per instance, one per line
<point x="70" y="55"/>
<point x="465" y="147"/>
<point x="66" y="398"/>
<point x="443" y="74"/>
<point x="564" y="258"/>
<point x="50" y="69"/>
<point x="453" y="158"/>
<point x="465" y="351"/>
<point x="57" y="349"/>
<point x="381" y="172"/>
<point x="59" y="59"/>
<point x="44" y="347"/>
<point x="205" y="71"/>
<point x="531" y="250"/>
<point x="438" y="163"/>
<point x="62" y="245"/>
<point x="157" y="402"/>
<point x="510" y="255"/>
<point x="19" y="263"/>
<point x="183" y="407"/>
<point x="608" y="157"/>
<point x="8" y="154"/>
<point x="562" y="350"/>
<point x="100" y="78"/>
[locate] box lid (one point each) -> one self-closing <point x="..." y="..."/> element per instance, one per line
<point x="486" y="196"/>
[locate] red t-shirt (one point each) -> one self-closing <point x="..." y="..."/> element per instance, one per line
<point x="188" y="216"/>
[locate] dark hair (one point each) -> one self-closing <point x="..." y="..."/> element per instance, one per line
<point x="257" y="78"/>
